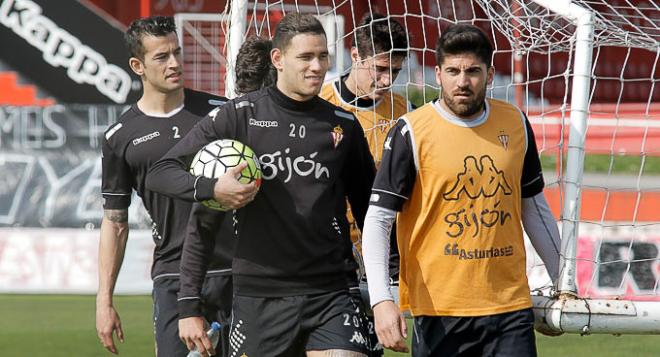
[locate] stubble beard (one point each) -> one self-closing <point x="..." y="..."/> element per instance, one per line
<point x="465" y="109"/>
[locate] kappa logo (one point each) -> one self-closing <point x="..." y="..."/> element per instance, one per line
<point x="337" y="135"/>
<point x="478" y="179"/>
<point x="263" y="123"/>
<point x="358" y="338"/>
<point x="146" y="138"/>
<point x="59" y="48"/>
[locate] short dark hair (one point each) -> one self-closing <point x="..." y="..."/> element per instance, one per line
<point x="295" y="23"/>
<point x="459" y="39"/>
<point x="254" y="69"/>
<point x="158" y="26"/>
<point x="377" y="34"/>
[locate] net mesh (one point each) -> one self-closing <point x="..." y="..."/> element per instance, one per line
<point x="618" y="246"/>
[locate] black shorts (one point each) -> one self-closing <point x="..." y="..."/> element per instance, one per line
<point x="368" y="327"/>
<point x="510" y="334"/>
<point x="289" y="326"/>
<point x="217" y="296"/>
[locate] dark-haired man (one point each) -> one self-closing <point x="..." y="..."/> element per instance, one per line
<point x="462" y="172"/>
<point x="289" y="267"/>
<point x="163" y="115"/>
<point x="379" y="48"/>
<point x="253" y="67"/>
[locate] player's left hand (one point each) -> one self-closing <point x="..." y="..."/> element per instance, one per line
<point x="391" y="326"/>
<point x="107" y="324"/>
<point x="193" y="334"/>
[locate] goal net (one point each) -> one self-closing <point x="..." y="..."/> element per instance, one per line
<point x="585" y="73"/>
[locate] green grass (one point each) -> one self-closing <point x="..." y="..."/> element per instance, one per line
<point x="621" y="164"/>
<point x="63" y="325"/>
<point x="598" y="346"/>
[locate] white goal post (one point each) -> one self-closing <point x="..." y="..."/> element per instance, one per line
<point x="585" y="73"/>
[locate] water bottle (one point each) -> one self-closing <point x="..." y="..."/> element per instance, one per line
<point x="214" y="335"/>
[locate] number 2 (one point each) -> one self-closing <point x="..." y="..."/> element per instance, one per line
<point x="347" y="317"/>
<point x="175" y="129"/>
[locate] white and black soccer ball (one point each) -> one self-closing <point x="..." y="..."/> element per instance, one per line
<point x="214" y="159"/>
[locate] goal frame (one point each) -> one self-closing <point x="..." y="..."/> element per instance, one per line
<point x="564" y="310"/>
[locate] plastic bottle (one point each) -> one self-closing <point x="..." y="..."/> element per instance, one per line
<point x="214" y="335"/>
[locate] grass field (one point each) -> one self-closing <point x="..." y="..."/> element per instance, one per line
<point x="63" y="325"/>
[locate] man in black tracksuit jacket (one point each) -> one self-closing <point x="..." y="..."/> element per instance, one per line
<point x="290" y="263"/>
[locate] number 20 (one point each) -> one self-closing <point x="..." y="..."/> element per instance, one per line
<point x="301" y="131"/>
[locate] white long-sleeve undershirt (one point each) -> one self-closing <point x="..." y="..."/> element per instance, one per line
<point x="541" y="228"/>
<point x="376" y="251"/>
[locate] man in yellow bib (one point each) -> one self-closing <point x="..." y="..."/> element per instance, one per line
<point x="377" y="53"/>
<point x="462" y="172"/>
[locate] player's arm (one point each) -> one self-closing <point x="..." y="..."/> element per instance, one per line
<point x="537" y="218"/>
<point x="198" y="247"/>
<point x="392" y="186"/>
<point x="359" y="174"/>
<point x="170" y="175"/>
<point x="116" y="190"/>
<point x="114" y="234"/>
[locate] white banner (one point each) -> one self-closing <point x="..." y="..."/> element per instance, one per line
<point x="57" y="260"/>
<point x="48" y="261"/>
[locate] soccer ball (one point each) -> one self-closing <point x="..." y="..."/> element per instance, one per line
<point x="214" y="159"/>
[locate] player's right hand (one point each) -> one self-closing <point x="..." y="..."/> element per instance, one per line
<point x="231" y="193"/>
<point x="391" y="326"/>
<point x="107" y="323"/>
<point x="193" y="333"/>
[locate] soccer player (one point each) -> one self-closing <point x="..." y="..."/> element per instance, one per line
<point x="462" y="172"/>
<point x="289" y="268"/>
<point x="161" y="117"/>
<point x="253" y="67"/>
<point x="377" y="54"/>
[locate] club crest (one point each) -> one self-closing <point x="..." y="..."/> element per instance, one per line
<point x="337" y="135"/>
<point x="504" y="140"/>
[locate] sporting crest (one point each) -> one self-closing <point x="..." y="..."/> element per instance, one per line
<point x="337" y="135"/>
<point x="504" y="140"/>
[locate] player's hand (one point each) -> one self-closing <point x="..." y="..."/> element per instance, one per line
<point x="107" y="323"/>
<point x="231" y="193"/>
<point x="391" y="326"/>
<point x="193" y="333"/>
